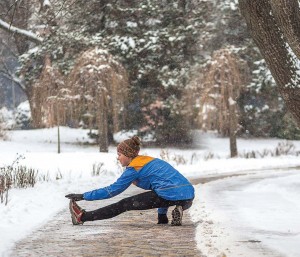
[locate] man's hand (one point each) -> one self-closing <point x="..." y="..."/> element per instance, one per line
<point x="75" y="197"/>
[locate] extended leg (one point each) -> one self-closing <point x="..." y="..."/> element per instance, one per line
<point x="143" y="201"/>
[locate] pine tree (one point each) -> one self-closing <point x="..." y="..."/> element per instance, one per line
<point x="156" y="41"/>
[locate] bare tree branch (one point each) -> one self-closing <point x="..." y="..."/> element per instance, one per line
<point x="28" y="34"/>
<point x="7" y="49"/>
<point x="13" y="78"/>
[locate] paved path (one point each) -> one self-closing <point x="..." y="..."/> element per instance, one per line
<point x="134" y="233"/>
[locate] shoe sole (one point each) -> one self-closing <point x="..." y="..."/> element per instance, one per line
<point x="177" y="216"/>
<point x="73" y="216"/>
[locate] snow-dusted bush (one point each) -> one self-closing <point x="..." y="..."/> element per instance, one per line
<point x="7" y="120"/>
<point x="23" y="116"/>
<point x="123" y="135"/>
<point x="20" y="118"/>
<point x="2" y="132"/>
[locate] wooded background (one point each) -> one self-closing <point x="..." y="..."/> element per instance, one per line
<point x="162" y="67"/>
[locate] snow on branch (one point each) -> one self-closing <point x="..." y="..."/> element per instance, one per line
<point x="30" y="35"/>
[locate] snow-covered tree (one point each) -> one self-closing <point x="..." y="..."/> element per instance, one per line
<point x="220" y="88"/>
<point x="99" y="86"/>
<point x="274" y="26"/>
<point x="263" y="112"/>
<point x="156" y="41"/>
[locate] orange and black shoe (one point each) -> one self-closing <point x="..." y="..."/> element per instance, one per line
<point x="76" y="212"/>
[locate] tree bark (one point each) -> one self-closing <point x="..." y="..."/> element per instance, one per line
<point x="102" y="124"/>
<point x="287" y="15"/>
<point x="268" y="36"/>
<point x="232" y="131"/>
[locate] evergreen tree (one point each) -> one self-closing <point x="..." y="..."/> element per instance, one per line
<point x="263" y="110"/>
<point x="156" y="41"/>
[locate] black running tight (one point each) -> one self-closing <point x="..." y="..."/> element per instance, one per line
<point x="143" y="201"/>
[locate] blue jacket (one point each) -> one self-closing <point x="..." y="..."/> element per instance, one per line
<point x="151" y="174"/>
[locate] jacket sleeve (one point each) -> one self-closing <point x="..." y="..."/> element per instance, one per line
<point x="122" y="183"/>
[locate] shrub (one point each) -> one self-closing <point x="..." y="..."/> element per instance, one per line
<point x="17" y="177"/>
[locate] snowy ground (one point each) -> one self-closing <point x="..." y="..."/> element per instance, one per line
<point x="239" y="216"/>
<point x="252" y="215"/>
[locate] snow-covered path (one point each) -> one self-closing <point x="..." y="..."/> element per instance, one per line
<point x="131" y="234"/>
<point x="250" y="215"/>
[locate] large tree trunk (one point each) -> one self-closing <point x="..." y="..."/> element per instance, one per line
<point x="267" y="34"/>
<point x="287" y="15"/>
